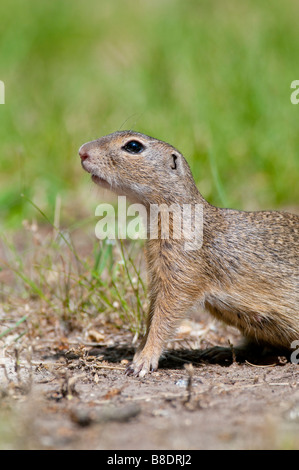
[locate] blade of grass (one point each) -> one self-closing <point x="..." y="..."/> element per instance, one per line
<point x="18" y="323"/>
<point x="55" y="228"/>
<point x="218" y="183"/>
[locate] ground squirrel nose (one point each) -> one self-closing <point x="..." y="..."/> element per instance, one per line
<point x="83" y="153"/>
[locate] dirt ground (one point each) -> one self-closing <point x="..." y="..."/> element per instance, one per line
<point x="68" y="393"/>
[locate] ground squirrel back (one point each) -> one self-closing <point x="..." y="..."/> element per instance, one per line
<point x="245" y="271"/>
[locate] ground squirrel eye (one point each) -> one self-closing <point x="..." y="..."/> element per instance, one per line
<point x="133" y="147"/>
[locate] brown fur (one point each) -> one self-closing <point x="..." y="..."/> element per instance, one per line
<point x="246" y="273"/>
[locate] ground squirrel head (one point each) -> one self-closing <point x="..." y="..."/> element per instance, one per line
<point x="145" y="169"/>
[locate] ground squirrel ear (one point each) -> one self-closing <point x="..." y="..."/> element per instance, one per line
<point x="174" y="159"/>
<point x="175" y="162"/>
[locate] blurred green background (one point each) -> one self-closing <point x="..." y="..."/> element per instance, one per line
<point x="210" y="77"/>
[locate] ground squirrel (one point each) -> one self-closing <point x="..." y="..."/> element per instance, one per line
<point x="246" y="272"/>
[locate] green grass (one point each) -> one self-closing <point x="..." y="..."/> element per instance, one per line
<point x="211" y="77"/>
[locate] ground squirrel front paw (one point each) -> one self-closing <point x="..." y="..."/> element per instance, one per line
<point x="142" y="364"/>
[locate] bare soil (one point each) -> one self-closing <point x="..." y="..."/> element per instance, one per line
<point x="68" y="393"/>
